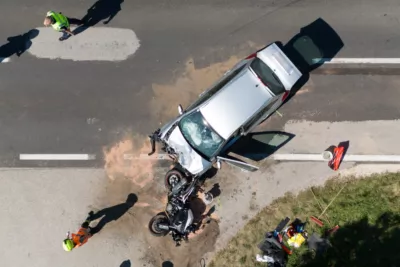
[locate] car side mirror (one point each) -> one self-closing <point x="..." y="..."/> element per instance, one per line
<point x="180" y="109"/>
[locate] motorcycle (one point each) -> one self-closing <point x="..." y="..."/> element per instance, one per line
<point x="178" y="218"/>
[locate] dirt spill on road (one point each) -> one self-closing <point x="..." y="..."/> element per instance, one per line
<point x="143" y="177"/>
<point x="185" y="89"/>
<point x="188" y="254"/>
<point x="124" y="159"/>
<point x="129" y="174"/>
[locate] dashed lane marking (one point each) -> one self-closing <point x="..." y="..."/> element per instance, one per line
<point x="349" y="158"/>
<point x="359" y="60"/>
<point x="57" y="157"/>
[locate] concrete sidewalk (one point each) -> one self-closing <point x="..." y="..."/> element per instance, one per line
<point x="365" y="137"/>
<point x="40" y="206"/>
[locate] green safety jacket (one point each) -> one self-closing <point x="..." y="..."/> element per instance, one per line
<point x="61" y="20"/>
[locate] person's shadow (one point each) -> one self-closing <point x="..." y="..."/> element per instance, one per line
<point x="17" y="44"/>
<point x="167" y="264"/>
<point x="101" y="10"/>
<point x="112" y="213"/>
<point x="126" y="263"/>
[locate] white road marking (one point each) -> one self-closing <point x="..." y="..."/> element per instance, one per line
<point x="93" y="44"/>
<point x="147" y="157"/>
<point x="5" y="59"/>
<point x="57" y="156"/>
<point x="360" y="60"/>
<point x="349" y="158"/>
<point x="291" y="157"/>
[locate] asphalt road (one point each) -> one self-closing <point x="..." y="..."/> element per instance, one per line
<point x="63" y="106"/>
<point x="48" y="106"/>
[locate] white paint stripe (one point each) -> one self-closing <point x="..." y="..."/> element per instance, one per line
<point x="5" y="59"/>
<point x="289" y="157"/>
<point x="57" y="156"/>
<point x="350" y="158"/>
<point x="360" y="60"/>
<point x="147" y="157"/>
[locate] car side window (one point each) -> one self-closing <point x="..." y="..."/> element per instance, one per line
<point x="260" y="114"/>
<point x="212" y="91"/>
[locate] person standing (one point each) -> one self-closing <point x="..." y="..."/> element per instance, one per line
<point x="81" y="237"/>
<point x="61" y="23"/>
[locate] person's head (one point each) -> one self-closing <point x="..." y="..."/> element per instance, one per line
<point x="68" y="244"/>
<point x="131" y="199"/>
<point x="167" y="264"/>
<point x="47" y="21"/>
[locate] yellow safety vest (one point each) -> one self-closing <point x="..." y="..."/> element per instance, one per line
<point x="61" y="20"/>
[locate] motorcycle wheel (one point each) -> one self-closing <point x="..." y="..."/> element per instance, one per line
<point x="155" y="221"/>
<point x="172" y="177"/>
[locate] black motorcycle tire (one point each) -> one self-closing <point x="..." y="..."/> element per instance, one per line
<point x="154" y="230"/>
<point x="173" y="176"/>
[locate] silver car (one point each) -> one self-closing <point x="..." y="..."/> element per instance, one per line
<point x="246" y="95"/>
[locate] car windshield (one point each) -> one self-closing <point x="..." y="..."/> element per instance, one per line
<point x="267" y="76"/>
<point x="199" y="135"/>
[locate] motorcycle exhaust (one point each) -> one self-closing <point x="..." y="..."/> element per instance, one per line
<point x="163" y="226"/>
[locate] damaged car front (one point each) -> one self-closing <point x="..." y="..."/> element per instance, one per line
<point x="189" y="141"/>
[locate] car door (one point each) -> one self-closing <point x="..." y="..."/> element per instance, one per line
<point x="261" y="115"/>
<point x="237" y="163"/>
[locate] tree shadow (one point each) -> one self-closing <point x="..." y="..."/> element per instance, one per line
<point x="314" y="45"/>
<point x="101" y="10"/>
<point x="360" y="244"/>
<point x="112" y="213"/>
<point x="17" y="44"/>
<point x="259" y="145"/>
<point x="126" y="263"/>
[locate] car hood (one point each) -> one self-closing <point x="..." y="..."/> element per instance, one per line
<point x="188" y="157"/>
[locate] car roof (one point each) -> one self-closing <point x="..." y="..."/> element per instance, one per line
<point x="234" y="104"/>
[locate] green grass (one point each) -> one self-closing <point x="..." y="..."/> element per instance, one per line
<point x="367" y="211"/>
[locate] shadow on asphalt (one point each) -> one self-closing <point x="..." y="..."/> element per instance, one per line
<point x="360" y="243"/>
<point x="260" y="145"/>
<point x="126" y="263"/>
<point x="314" y="45"/>
<point x="17" y="44"/>
<point x="113" y="213"/>
<point x="101" y="10"/>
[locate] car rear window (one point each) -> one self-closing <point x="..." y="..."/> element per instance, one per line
<point x="267" y="76"/>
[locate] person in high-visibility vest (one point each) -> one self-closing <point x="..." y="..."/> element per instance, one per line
<point x="61" y="23"/>
<point x="81" y="237"/>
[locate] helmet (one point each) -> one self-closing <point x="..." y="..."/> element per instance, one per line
<point x="68" y="244"/>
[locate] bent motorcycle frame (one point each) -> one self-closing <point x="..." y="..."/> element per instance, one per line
<point x="179" y="203"/>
